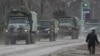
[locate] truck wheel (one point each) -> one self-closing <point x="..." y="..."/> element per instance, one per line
<point x="28" y="39"/>
<point x="51" y="37"/>
<point x="13" y="41"/>
<point x="39" y="39"/>
<point x="73" y="35"/>
<point x="55" y="36"/>
<point x="6" y="40"/>
<point x="77" y="34"/>
<point x="33" y="38"/>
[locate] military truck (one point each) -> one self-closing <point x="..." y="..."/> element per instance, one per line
<point x="20" y="25"/>
<point x="69" y="26"/>
<point x="47" y="29"/>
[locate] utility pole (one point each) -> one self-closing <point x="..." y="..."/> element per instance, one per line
<point x="93" y="9"/>
<point x="21" y="2"/>
<point x="42" y="9"/>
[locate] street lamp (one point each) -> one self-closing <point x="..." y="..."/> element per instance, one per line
<point x="85" y="5"/>
<point x="85" y="13"/>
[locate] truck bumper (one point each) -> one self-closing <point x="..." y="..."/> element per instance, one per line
<point x="44" y="34"/>
<point x="17" y="36"/>
<point x="65" y="32"/>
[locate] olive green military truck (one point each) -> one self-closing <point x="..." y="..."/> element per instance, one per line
<point x="47" y="29"/>
<point x="20" y="25"/>
<point x="69" y="26"/>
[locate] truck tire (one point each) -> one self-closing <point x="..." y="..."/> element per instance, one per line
<point x="73" y="35"/>
<point x="33" y="38"/>
<point x="55" y="36"/>
<point x="77" y="34"/>
<point x="13" y="41"/>
<point x="51" y="37"/>
<point x="39" y="39"/>
<point x="6" y="40"/>
<point x="28" y="39"/>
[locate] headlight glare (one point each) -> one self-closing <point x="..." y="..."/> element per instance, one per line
<point x="48" y="31"/>
<point x="38" y="31"/>
<point x="6" y="30"/>
<point x="26" y="30"/>
<point x="70" y="28"/>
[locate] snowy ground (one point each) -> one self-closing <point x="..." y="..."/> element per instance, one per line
<point x="40" y="48"/>
<point x="81" y="50"/>
<point x="78" y="50"/>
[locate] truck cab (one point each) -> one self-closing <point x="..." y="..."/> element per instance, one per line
<point x="47" y="29"/>
<point x="19" y="26"/>
<point x="69" y="26"/>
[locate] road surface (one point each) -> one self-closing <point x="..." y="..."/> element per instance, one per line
<point x="40" y="48"/>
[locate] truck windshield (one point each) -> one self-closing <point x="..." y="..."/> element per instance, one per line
<point x="45" y="24"/>
<point x="65" y="20"/>
<point x="17" y="20"/>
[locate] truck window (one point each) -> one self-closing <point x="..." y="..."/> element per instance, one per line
<point x="65" y="20"/>
<point x="44" y="24"/>
<point x="17" y="20"/>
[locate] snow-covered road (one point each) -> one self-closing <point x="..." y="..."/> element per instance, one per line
<point x="44" y="51"/>
<point x="38" y="49"/>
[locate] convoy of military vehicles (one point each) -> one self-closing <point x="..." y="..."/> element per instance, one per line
<point x="24" y="25"/>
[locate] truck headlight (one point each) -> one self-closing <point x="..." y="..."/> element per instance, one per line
<point x="38" y="31"/>
<point x="70" y="28"/>
<point x="6" y="30"/>
<point x="48" y="31"/>
<point x="26" y="30"/>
